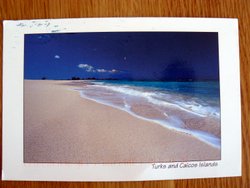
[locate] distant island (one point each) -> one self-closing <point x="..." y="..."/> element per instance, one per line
<point x="141" y="80"/>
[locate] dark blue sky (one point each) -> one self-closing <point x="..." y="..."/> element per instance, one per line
<point x="122" y="55"/>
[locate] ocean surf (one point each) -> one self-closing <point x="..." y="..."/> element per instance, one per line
<point x="188" y="107"/>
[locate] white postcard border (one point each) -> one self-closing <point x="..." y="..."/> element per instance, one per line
<point x="13" y="55"/>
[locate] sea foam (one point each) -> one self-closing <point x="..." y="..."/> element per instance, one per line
<point x="161" y="99"/>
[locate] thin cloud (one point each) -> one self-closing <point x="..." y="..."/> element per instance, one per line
<point x="90" y="68"/>
<point x="57" y="57"/>
<point x="114" y="71"/>
<point x="101" y="70"/>
<point x="86" y="67"/>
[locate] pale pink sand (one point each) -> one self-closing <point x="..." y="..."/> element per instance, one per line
<point x="62" y="127"/>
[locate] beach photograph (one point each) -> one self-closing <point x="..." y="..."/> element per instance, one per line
<point x="121" y="97"/>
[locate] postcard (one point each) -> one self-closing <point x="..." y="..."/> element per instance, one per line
<point x="121" y="99"/>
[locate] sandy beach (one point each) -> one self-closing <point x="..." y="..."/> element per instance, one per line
<point x="62" y="127"/>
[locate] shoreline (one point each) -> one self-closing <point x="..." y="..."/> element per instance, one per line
<point x="202" y="127"/>
<point x="81" y="137"/>
<point x="169" y="127"/>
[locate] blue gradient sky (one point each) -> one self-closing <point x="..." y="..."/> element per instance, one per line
<point x="122" y="55"/>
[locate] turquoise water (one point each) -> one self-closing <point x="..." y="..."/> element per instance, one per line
<point x="200" y="89"/>
<point x="196" y="96"/>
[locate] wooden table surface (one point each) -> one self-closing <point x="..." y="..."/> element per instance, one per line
<point x="34" y="9"/>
